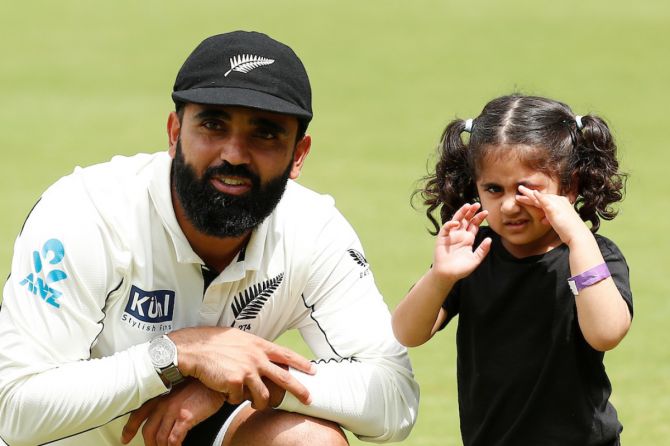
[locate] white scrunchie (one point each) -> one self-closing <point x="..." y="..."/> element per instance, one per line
<point x="468" y="126"/>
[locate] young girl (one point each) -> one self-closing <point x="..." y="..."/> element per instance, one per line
<point x="539" y="296"/>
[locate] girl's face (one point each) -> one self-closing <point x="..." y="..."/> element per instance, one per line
<point x="520" y="227"/>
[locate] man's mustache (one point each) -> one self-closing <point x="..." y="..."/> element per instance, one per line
<point x="226" y="168"/>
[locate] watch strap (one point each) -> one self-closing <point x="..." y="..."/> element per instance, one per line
<point x="172" y="374"/>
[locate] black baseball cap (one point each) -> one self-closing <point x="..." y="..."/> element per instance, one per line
<point x="248" y="69"/>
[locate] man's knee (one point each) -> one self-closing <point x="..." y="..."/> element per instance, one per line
<point x="279" y="428"/>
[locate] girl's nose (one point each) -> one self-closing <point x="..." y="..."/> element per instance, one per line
<point x="509" y="204"/>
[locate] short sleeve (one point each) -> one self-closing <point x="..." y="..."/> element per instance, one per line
<point x="618" y="267"/>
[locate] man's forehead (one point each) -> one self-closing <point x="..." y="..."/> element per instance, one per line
<point x="228" y="111"/>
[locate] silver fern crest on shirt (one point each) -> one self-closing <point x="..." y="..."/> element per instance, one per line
<point x="249" y="302"/>
<point x="358" y="257"/>
<point x="244" y="63"/>
<point x="361" y="261"/>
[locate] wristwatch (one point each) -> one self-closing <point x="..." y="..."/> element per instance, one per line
<point x="163" y="354"/>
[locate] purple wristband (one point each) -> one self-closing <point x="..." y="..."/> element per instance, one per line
<point x="588" y="278"/>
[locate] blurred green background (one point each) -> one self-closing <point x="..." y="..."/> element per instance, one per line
<point x="81" y="81"/>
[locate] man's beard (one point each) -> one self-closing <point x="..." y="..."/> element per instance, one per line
<point x="219" y="214"/>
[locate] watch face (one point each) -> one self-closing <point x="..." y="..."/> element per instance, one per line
<point x="162" y="352"/>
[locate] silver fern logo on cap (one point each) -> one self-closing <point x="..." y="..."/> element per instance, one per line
<point x="244" y="63"/>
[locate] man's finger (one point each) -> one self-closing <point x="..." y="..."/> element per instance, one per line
<point x="235" y="393"/>
<point x="258" y="393"/>
<point x="136" y="419"/>
<point x="178" y="434"/>
<point x="282" y="355"/>
<point x="163" y="432"/>
<point x="288" y="382"/>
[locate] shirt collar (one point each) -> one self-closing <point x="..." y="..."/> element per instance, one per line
<point x="159" y="189"/>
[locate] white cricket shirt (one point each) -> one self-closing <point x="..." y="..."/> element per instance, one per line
<point x="102" y="266"/>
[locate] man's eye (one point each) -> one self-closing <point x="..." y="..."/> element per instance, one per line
<point x="266" y="134"/>
<point x="211" y="125"/>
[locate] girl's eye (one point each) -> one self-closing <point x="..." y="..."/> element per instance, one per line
<point x="493" y="189"/>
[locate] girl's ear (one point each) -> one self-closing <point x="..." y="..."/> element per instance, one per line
<point x="573" y="191"/>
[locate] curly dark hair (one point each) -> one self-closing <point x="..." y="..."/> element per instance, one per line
<point x="544" y="134"/>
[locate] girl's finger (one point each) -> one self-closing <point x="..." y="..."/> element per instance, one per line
<point x="448" y="226"/>
<point x="529" y="196"/>
<point x="461" y="213"/>
<point x="476" y="221"/>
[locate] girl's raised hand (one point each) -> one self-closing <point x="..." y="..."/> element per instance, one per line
<point x="454" y="255"/>
<point x="558" y="212"/>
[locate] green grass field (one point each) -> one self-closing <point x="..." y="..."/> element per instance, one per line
<point x="82" y="81"/>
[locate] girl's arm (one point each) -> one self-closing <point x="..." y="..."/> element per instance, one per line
<point x="602" y="313"/>
<point x="419" y="315"/>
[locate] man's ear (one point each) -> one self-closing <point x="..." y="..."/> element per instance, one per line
<point x="299" y="154"/>
<point x="173" y="129"/>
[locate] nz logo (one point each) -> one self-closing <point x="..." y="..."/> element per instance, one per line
<point x="249" y="303"/>
<point x="39" y="282"/>
<point x="360" y="259"/>
<point x="243" y="63"/>
<point x="149" y="310"/>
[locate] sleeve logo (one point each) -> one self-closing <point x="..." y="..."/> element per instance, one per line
<point x="45" y="273"/>
<point x="361" y="261"/>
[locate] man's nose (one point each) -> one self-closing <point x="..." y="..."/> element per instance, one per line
<point x="234" y="150"/>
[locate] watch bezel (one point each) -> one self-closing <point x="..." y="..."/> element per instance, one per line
<point x="163" y="352"/>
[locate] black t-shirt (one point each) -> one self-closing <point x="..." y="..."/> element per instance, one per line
<point x="526" y="376"/>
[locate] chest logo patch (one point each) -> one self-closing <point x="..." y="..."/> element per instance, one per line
<point x="149" y="310"/>
<point x="249" y="302"/>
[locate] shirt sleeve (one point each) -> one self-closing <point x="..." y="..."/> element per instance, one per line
<point x="364" y="379"/>
<point x="452" y="304"/>
<point x="618" y="267"/>
<point x="63" y="267"/>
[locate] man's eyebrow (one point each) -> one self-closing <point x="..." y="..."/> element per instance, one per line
<point x="271" y="124"/>
<point x="212" y="113"/>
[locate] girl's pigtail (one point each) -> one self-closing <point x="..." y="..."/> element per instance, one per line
<point x="451" y="185"/>
<point x="600" y="181"/>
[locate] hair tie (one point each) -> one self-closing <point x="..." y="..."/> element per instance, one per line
<point x="578" y="120"/>
<point x="468" y="126"/>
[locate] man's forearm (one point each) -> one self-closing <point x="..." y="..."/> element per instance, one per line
<point x="376" y="399"/>
<point x="75" y="397"/>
